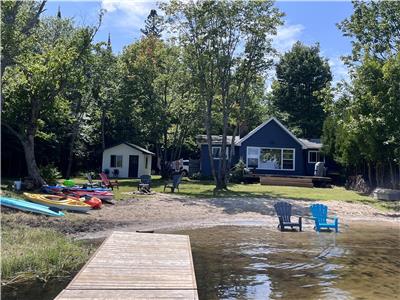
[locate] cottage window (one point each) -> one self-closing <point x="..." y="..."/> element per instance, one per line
<point x="253" y="154"/>
<point x="270" y="158"/>
<point x="315" y="156"/>
<point x="287" y="159"/>
<point x="216" y="152"/>
<point x="116" y="161"/>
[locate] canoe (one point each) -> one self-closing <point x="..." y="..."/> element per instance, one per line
<point x="29" y="207"/>
<point x="60" y="202"/>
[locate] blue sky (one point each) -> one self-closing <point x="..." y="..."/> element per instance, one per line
<point x="309" y="22"/>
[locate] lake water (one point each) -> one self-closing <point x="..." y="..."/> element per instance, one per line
<point x="361" y="262"/>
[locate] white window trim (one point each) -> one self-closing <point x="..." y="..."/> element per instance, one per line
<point x="314" y="151"/>
<point x="259" y="150"/>
<point x="219" y="147"/>
<point x="122" y="161"/>
<point x="247" y="156"/>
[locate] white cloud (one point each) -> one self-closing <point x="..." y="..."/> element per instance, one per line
<point x="286" y="36"/>
<point x="128" y="13"/>
<point x="338" y="69"/>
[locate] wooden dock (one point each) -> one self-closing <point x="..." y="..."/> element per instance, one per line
<point x="132" y="265"/>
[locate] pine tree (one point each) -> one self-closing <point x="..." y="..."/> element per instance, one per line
<point x="153" y="25"/>
<point x="109" y="42"/>
<point x="59" y="13"/>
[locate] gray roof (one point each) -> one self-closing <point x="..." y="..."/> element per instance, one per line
<point x="139" y="148"/>
<point x="143" y="150"/>
<point x="216" y="139"/>
<point x="311" y="143"/>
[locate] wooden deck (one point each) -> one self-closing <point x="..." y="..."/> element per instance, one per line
<point x="137" y="266"/>
<point x="292" y="180"/>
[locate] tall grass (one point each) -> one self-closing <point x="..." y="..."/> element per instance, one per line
<point x="38" y="253"/>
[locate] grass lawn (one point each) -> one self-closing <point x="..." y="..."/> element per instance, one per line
<point x="204" y="189"/>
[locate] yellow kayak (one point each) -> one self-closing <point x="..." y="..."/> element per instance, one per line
<point x="60" y="202"/>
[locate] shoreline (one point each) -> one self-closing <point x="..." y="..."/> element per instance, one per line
<point x="169" y="212"/>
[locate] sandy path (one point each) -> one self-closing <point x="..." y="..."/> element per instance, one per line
<point x="164" y="212"/>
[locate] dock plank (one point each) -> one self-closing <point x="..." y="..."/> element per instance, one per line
<point x="131" y="265"/>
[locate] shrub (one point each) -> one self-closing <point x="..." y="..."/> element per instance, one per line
<point x="199" y="176"/>
<point x="50" y="174"/>
<point x="238" y="172"/>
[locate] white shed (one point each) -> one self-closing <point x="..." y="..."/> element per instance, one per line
<point x="130" y="160"/>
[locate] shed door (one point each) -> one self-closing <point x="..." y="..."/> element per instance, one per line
<point x="133" y="166"/>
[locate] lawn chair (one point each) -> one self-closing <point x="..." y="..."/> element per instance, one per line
<point x="91" y="183"/>
<point x="107" y="183"/>
<point x="320" y="214"/>
<point x="284" y="212"/>
<point x="174" y="184"/>
<point x="144" y="184"/>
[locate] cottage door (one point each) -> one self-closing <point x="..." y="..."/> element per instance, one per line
<point x="133" y="166"/>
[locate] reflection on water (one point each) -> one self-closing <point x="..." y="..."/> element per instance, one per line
<point x="255" y="263"/>
<point x="361" y="262"/>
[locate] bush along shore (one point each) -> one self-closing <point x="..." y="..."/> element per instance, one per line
<point x="30" y="254"/>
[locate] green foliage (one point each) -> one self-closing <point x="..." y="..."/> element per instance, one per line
<point x="50" y="174"/>
<point x="153" y="25"/>
<point x="301" y="74"/>
<point x="363" y="128"/>
<point x="227" y="47"/>
<point x="374" y="27"/>
<point x="238" y="172"/>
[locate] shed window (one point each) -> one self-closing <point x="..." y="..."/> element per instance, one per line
<point x="315" y="156"/>
<point x="146" y="164"/>
<point x="116" y="161"/>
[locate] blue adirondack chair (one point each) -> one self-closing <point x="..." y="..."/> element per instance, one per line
<point x="320" y="215"/>
<point x="176" y="180"/>
<point x="284" y="212"/>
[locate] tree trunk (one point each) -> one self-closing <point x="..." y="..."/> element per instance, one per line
<point x="164" y="169"/>
<point x="75" y="132"/>
<point x="392" y="176"/>
<point x="28" y="144"/>
<point x="222" y="178"/>
<point x="33" y="170"/>
<point x="209" y="140"/>
<point x="370" y="174"/>
<point x="103" y="129"/>
<point x="376" y="174"/>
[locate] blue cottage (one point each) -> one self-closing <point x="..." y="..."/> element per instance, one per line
<point x="270" y="148"/>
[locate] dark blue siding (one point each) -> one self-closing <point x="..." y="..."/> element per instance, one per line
<point x="205" y="165"/>
<point x="274" y="136"/>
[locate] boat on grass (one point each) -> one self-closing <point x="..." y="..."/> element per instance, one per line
<point x="30" y="207"/>
<point x="60" y="202"/>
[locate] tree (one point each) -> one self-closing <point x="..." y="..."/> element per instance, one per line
<point x="155" y="92"/>
<point x="226" y="45"/>
<point x="153" y="25"/>
<point x="32" y="86"/>
<point x="301" y="74"/>
<point x="18" y="21"/>
<point x="366" y="120"/>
